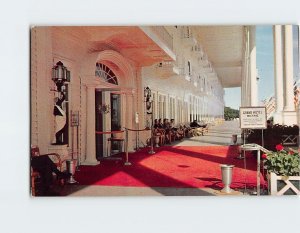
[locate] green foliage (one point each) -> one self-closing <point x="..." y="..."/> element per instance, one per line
<point x="283" y="163"/>
<point x="230" y="113"/>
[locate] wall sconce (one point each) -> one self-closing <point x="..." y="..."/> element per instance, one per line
<point x="147" y="93"/>
<point x="60" y="75"/>
<point x="104" y="108"/>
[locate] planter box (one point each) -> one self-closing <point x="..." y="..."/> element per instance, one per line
<point x="282" y="185"/>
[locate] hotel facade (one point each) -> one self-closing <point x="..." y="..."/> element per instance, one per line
<point x="125" y="77"/>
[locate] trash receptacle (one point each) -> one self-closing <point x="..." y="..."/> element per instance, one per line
<point x="71" y="168"/>
<point x="234" y="139"/>
<point x="226" y="170"/>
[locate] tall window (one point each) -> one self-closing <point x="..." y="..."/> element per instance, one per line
<point x="172" y="108"/>
<point x="154" y="108"/>
<point x="161" y="106"/>
<point x="186" y="112"/>
<point x="179" y="111"/>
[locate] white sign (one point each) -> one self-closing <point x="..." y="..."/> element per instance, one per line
<point x="253" y="118"/>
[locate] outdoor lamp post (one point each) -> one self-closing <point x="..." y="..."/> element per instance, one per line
<point x="60" y="75"/>
<point x="147" y="95"/>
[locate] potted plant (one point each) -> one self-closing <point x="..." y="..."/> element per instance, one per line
<point x="283" y="169"/>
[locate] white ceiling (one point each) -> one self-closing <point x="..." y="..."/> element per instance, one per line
<point x="224" y="47"/>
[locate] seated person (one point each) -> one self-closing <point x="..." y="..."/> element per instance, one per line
<point x="166" y="124"/>
<point x="186" y="130"/>
<point x="166" y="127"/>
<point x="172" y="123"/>
<point x="45" y="167"/>
<point x="159" y="124"/>
<point x="194" y="124"/>
<point x="179" y="132"/>
<point x="155" y="124"/>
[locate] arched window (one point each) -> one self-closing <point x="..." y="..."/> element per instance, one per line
<point x="105" y="73"/>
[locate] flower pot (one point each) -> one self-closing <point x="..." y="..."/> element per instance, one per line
<point x="283" y="185"/>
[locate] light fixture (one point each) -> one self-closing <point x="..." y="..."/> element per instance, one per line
<point x="147" y="93"/>
<point x="104" y="108"/>
<point x="60" y="75"/>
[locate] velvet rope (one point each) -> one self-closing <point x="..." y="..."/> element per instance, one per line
<point x="138" y="130"/>
<point x="109" y="132"/>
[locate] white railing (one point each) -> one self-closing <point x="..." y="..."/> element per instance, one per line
<point x="163" y="34"/>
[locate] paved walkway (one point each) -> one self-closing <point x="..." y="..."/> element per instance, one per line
<point x="217" y="135"/>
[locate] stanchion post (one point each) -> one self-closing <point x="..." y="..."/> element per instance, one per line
<point x="151" y="151"/>
<point x="77" y="149"/>
<point x="127" y="163"/>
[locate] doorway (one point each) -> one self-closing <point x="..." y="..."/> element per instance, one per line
<point x="115" y="123"/>
<point x="108" y="118"/>
<point x="115" y="112"/>
<point x="99" y="124"/>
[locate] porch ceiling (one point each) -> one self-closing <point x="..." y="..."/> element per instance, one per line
<point x="130" y="41"/>
<point x="224" y="47"/>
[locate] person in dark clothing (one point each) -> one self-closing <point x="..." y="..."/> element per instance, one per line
<point x="159" y="124"/>
<point x="155" y="125"/>
<point x="46" y="167"/>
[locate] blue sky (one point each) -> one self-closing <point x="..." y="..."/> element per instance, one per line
<point x="265" y="66"/>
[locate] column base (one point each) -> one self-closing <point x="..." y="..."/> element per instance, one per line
<point x="90" y="163"/>
<point x="289" y="118"/>
<point x="277" y="118"/>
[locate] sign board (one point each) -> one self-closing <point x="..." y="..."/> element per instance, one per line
<point x="253" y="117"/>
<point x="75" y="118"/>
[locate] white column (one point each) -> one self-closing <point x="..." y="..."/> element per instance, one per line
<point x="298" y="49"/>
<point x="91" y="128"/>
<point x="278" y="71"/>
<point x="129" y="120"/>
<point x="289" y="113"/>
<point x="253" y="74"/>
<point x="246" y="76"/>
<point x="298" y="112"/>
<point x="288" y="68"/>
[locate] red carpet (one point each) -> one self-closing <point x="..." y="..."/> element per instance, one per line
<point x="172" y="166"/>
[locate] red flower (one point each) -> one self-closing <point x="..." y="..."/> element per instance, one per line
<point x="264" y="156"/>
<point x="291" y="152"/>
<point x="279" y="147"/>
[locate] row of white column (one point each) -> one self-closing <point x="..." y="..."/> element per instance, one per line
<point x="283" y="70"/>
